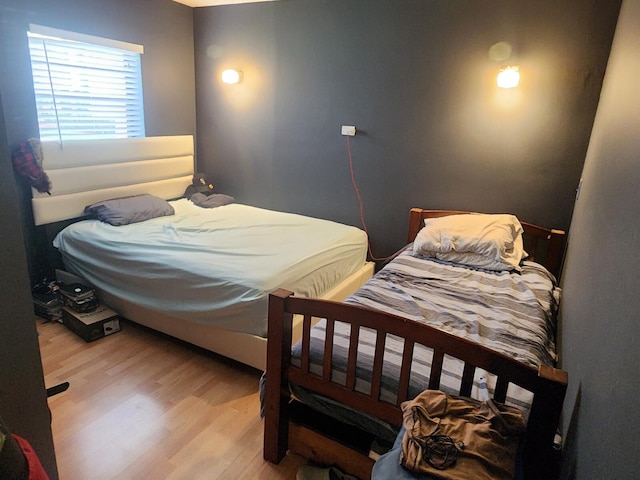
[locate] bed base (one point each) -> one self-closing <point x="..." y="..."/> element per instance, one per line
<point x="283" y="432"/>
<point x="326" y="441"/>
<point x="243" y="347"/>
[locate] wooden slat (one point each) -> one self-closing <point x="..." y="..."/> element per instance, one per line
<point x="306" y="343"/>
<point x="436" y="369"/>
<point x="328" y="350"/>
<point x="353" y="357"/>
<point x="405" y="372"/>
<point x="500" y="392"/>
<point x="467" y="380"/>
<point x="378" y="360"/>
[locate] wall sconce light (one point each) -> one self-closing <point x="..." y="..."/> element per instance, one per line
<point x="231" y="76"/>
<point x="509" y="77"/>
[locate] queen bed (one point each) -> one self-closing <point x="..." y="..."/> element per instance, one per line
<point x="422" y="322"/>
<point x="199" y="274"/>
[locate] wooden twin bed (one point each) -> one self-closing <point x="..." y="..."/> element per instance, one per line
<point x="290" y="425"/>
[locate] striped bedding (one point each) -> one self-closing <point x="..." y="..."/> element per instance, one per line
<point x="513" y="313"/>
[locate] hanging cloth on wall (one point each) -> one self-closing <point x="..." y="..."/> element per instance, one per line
<point x="27" y="162"/>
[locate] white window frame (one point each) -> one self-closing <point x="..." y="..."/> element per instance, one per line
<point x="86" y="87"/>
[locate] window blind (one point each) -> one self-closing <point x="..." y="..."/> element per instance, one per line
<point x="85" y="91"/>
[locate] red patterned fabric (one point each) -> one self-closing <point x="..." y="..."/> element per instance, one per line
<point x="36" y="471"/>
<point x="25" y="164"/>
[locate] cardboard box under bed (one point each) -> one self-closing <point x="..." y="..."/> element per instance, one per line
<point x="93" y="325"/>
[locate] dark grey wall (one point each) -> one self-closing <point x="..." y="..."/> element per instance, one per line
<point x="416" y="78"/>
<point x="164" y="28"/>
<point x="23" y="401"/>
<point x="166" y="31"/>
<point x="601" y="306"/>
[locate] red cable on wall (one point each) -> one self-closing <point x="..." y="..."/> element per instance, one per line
<point x="361" y="205"/>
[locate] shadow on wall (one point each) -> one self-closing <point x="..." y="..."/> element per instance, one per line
<point x="569" y="452"/>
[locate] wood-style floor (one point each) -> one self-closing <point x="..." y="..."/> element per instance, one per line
<point x="144" y="406"/>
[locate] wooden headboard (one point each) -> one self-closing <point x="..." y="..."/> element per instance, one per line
<point x="83" y="172"/>
<point x="544" y="245"/>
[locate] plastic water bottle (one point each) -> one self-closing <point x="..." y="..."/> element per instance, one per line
<point x="483" y="391"/>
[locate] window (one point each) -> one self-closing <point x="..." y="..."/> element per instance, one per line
<point x="86" y="87"/>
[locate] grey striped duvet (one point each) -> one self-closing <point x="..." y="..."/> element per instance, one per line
<point x="513" y="313"/>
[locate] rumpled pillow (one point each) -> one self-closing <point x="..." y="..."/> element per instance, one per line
<point x="126" y="210"/>
<point x="211" y="201"/>
<point x="490" y="242"/>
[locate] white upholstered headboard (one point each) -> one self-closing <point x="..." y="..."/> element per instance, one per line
<point x="86" y="171"/>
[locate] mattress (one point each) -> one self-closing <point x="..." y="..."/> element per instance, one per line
<point x="213" y="266"/>
<point x="512" y="313"/>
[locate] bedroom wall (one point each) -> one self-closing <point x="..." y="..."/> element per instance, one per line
<point x="600" y="306"/>
<point x="164" y="28"/>
<point x="23" y="400"/>
<point x="416" y="79"/>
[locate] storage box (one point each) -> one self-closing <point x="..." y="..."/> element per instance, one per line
<point x="93" y="325"/>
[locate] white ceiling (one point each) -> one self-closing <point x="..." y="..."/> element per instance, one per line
<point x="210" y="3"/>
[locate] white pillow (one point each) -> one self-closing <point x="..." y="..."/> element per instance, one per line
<point x="492" y="242"/>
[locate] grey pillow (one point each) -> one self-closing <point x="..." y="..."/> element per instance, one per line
<point x="126" y="210"/>
<point x="211" y="201"/>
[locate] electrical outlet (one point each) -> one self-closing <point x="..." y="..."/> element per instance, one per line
<point x="349" y="130"/>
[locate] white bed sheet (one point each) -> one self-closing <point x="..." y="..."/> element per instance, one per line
<point x="213" y="266"/>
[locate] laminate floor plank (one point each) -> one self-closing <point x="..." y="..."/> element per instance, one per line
<point x="145" y="406"/>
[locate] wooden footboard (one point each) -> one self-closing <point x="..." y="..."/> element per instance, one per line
<point x="547" y="384"/>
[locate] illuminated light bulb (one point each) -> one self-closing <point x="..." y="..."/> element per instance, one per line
<point x="231" y="76"/>
<point x="509" y="77"/>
